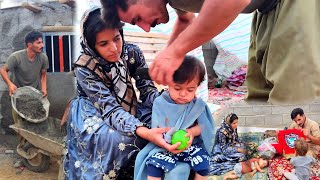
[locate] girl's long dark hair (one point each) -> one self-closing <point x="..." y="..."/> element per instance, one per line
<point x="95" y="24"/>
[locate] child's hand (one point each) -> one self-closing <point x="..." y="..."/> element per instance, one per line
<point x="191" y="136"/>
<point x="251" y="174"/>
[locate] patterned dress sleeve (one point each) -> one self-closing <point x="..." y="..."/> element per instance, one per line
<point x="225" y="146"/>
<point x="238" y="141"/>
<point x="101" y="97"/>
<point x="136" y="60"/>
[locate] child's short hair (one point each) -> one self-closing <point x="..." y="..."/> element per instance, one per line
<point x="190" y="68"/>
<point x="301" y="147"/>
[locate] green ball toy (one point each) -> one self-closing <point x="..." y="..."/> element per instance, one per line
<point x="178" y="136"/>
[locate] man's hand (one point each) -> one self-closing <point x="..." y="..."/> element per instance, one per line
<point x="44" y="93"/>
<point x="155" y="136"/>
<point x="164" y="66"/>
<point x="12" y="89"/>
<point x="305" y="133"/>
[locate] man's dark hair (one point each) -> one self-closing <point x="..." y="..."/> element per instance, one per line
<point x="190" y="68"/>
<point x="94" y="24"/>
<point x="296" y="112"/>
<point x="32" y="36"/>
<point x="109" y="8"/>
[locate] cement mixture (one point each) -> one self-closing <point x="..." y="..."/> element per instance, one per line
<point x="30" y="106"/>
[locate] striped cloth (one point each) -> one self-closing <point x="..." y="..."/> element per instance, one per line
<point x="233" y="44"/>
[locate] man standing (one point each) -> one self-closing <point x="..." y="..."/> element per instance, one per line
<point x="28" y="67"/>
<point x="309" y="128"/>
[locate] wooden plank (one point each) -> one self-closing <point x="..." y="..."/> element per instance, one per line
<point x="145" y="40"/>
<point x="58" y="28"/>
<point x="149" y="43"/>
<point x="150" y="47"/>
<point x="147" y="35"/>
<point x="31" y="7"/>
<point x="149" y="55"/>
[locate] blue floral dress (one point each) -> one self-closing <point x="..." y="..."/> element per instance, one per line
<point x="101" y="140"/>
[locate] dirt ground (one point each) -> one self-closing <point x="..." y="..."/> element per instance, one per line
<point x="8" y="157"/>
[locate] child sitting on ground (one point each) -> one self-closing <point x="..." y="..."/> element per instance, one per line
<point x="252" y="165"/>
<point x="301" y="162"/>
<point x="179" y="109"/>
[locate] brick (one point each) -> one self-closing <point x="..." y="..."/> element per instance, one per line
<point x="314" y="117"/>
<point x="305" y="107"/>
<point x="221" y="114"/>
<point x="262" y="110"/>
<point x="256" y="121"/>
<point x="286" y="120"/>
<point x="281" y="109"/>
<point x="274" y="120"/>
<point x="9" y="151"/>
<point x="241" y="120"/>
<point x="314" y="108"/>
<point x="244" y="111"/>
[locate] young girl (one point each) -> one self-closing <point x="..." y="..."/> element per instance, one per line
<point x="178" y="108"/>
<point x="228" y="148"/>
<point x="301" y="162"/>
<point x="252" y="165"/>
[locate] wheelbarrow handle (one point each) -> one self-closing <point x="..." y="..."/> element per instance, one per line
<point x="24" y="154"/>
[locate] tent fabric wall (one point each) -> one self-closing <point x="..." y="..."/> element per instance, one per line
<point x="233" y="44"/>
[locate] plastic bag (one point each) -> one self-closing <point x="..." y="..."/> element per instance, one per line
<point x="33" y="94"/>
<point x="266" y="148"/>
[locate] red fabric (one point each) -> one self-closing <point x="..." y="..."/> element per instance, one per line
<point x="279" y="164"/>
<point x="225" y="97"/>
<point x="276" y="167"/>
<point x="286" y="139"/>
<point x="278" y="148"/>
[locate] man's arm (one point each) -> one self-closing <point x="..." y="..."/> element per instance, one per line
<point x="4" y="74"/>
<point x="315" y="134"/>
<point x="214" y="17"/>
<point x="44" y="82"/>
<point x="182" y="22"/>
<point x="314" y="140"/>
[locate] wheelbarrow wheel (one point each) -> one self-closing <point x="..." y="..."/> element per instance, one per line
<point x="39" y="163"/>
